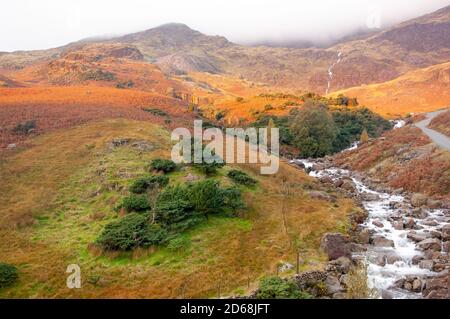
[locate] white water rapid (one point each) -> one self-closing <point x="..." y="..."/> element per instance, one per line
<point x="391" y="259"/>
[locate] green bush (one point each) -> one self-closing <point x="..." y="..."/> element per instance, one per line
<point x="174" y="209"/>
<point x="207" y="197"/>
<point x="181" y="207"/>
<point x="278" y="288"/>
<point x="132" y="231"/>
<point x="233" y="199"/>
<point x="135" y="203"/>
<point x="208" y="169"/>
<point x="142" y="184"/>
<point x="163" y="165"/>
<point x="241" y="177"/>
<point x="8" y="275"/>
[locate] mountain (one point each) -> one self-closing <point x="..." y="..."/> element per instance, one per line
<point x="371" y="58"/>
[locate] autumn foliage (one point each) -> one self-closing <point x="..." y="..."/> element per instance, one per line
<point x="61" y="107"/>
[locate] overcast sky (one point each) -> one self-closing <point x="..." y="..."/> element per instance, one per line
<point x="41" y="24"/>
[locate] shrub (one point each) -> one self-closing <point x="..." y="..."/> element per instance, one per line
<point x="25" y="127"/>
<point x="278" y="288"/>
<point x="181" y="207"/>
<point x="233" y="199"/>
<point x="8" y="275"/>
<point x="241" y="177"/>
<point x="142" y="184"/>
<point x="163" y="165"/>
<point x="135" y="203"/>
<point x="219" y="115"/>
<point x="125" y="85"/>
<point x="157" y="112"/>
<point x="208" y="168"/>
<point x="174" y="209"/>
<point x="206" y="197"/>
<point x="239" y="99"/>
<point x="132" y="231"/>
<point x="364" y="136"/>
<point x="97" y="75"/>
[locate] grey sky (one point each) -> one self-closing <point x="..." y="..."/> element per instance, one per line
<point x="41" y="24"/>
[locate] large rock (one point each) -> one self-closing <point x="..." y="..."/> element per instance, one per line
<point x="117" y="142"/>
<point x="335" y="245"/>
<point x="341" y="265"/>
<point x="333" y="285"/>
<point x="369" y="197"/>
<point x="446" y="232"/>
<point x="348" y="186"/>
<point x="426" y="264"/>
<point x="377" y="223"/>
<point x="380" y="241"/>
<point x="432" y="244"/>
<point x="364" y="236"/>
<point x="418" y="199"/>
<point x="437" y="287"/>
<point x="417" y="237"/>
<point x="418" y="213"/>
<point x="409" y="223"/>
<point x="142" y="145"/>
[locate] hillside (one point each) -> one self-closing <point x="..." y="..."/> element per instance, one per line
<point x="73" y="178"/>
<point x="421" y="90"/>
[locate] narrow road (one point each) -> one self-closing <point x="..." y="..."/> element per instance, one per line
<point x="439" y="139"/>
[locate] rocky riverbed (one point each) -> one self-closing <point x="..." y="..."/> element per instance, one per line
<point x="404" y="241"/>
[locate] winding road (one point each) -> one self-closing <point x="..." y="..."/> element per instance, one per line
<point x="439" y="139"/>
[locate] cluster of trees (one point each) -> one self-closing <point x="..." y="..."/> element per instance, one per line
<point x="158" y="214"/>
<point x="316" y="130"/>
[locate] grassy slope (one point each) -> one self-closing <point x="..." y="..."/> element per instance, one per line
<point x="441" y="123"/>
<point x="422" y="90"/>
<point x="58" y="194"/>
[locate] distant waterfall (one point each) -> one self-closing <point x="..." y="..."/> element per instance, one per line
<point x="330" y="71"/>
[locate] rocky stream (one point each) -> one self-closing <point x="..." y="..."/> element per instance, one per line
<point x="404" y="241"/>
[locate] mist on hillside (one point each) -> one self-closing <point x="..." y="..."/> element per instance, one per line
<point x="252" y="22"/>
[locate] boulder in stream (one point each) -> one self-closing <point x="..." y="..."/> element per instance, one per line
<point x="380" y="241"/>
<point x="432" y="244"/>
